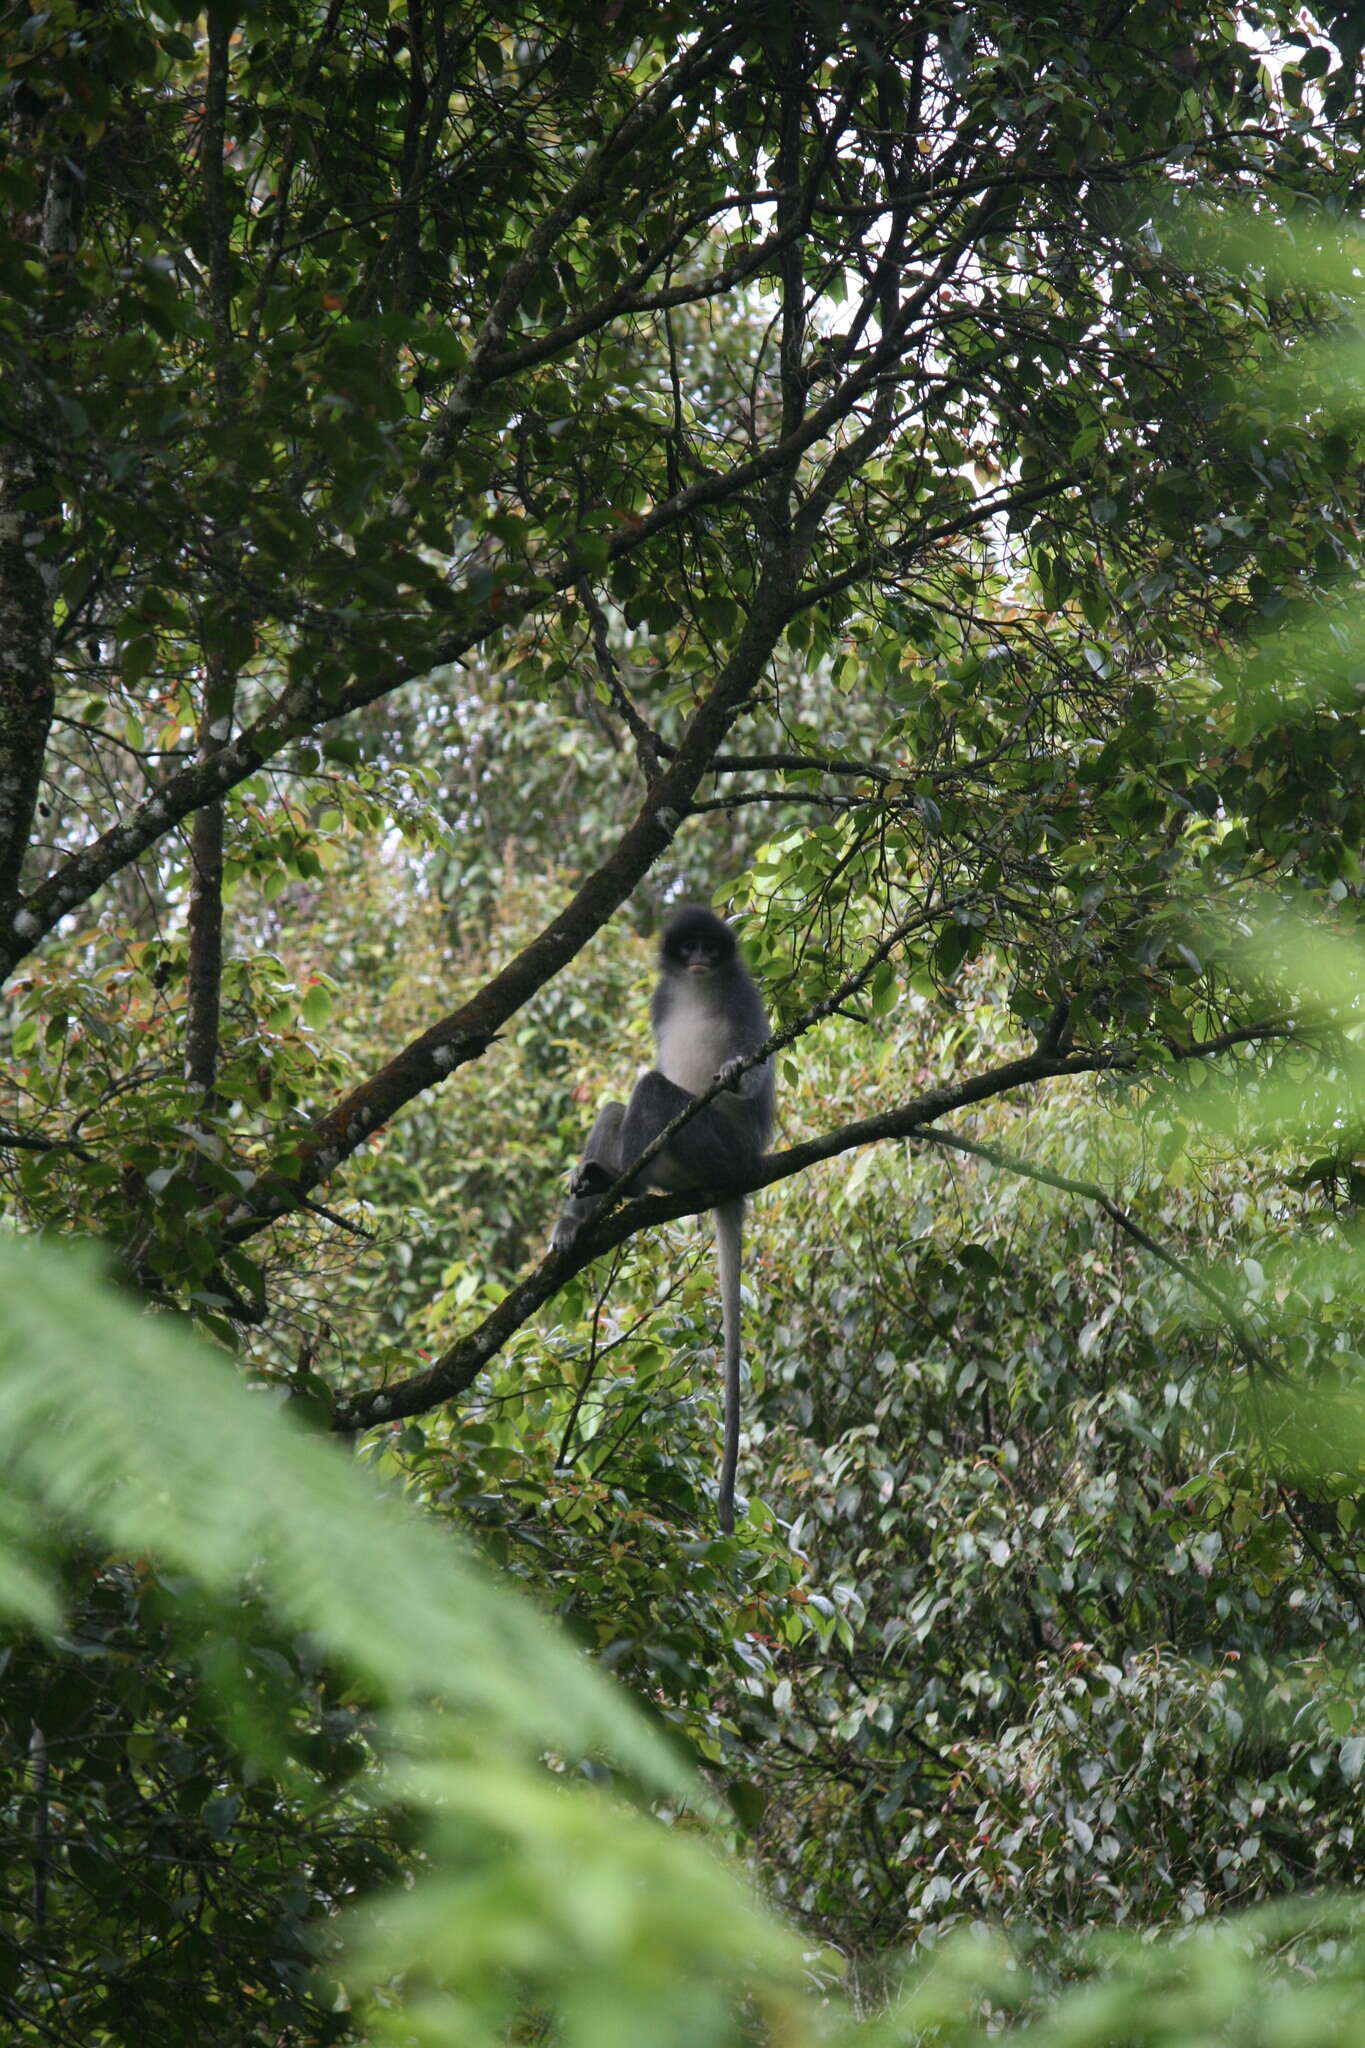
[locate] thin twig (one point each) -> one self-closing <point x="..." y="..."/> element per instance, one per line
<point x="1250" y="1346"/>
<point x="590" y="1371"/>
<point x="645" y="738"/>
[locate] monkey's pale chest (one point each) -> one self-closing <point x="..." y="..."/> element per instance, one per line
<point x="693" y="1040"/>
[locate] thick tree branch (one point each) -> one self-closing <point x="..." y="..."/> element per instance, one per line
<point x="468" y="1030"/>
<point x="297" y="711"/>
<point x="460" y="1364"/>
<point x="28" y="571"/>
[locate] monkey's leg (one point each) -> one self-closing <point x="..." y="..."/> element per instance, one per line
<point x="601" y="1160"/>
<point x="712" y="1148"/>
<point x="654" y="1102"/>
<point x="593" y="1175"/>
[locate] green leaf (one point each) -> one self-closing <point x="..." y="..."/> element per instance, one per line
<point x="143" y="1402"/>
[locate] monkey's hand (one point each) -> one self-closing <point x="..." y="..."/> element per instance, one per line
<point x="588" y="1178"/>
<point x="731" y="1075"/>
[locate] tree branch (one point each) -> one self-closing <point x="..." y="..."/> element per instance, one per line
<point x="1250" y="1346"/>
<point x="581" y="194"/>
<point x="461" y="1363"/>
<point x="204" y="975"/>
<point x="470" y="1029"/>
<point x="647" y="746"/>
<point x="299" y="708"/>
<point x="28" y="570"/>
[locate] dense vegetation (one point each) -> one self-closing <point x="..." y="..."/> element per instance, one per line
<point x="467" y="480"/>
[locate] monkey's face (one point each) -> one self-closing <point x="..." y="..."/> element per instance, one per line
<point x="696" y="942"/>
<point x="697" y="956"/>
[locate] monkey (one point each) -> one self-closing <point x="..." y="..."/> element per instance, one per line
<point x="707" y="1017"/>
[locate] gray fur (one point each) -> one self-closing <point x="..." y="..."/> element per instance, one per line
<point x="707" y="1015"/>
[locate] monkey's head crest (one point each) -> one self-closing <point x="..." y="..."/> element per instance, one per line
<point x="697" y="941"/>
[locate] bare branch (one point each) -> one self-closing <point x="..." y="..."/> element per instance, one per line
<point x="647" y="744"/>
<point x="461" y="1363"/>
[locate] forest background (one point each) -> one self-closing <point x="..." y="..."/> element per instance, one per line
<point x="471" y="478"/>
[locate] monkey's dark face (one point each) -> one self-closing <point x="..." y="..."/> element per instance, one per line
<point x="696" y="956"/>
<point x="696" y="942"/>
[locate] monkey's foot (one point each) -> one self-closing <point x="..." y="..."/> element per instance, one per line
<point x="571" y="1220"/>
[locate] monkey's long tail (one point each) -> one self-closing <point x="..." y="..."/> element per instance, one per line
<point x="729" y="1246"/>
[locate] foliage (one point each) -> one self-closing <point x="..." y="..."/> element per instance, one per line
<point x="190" y="1851"/>
<point x="165" y="1882"/>
<point x="463" y="476"/>
<point x="468" y="1687"/>
<point x="1097" y="1663"/>
<point x="860" y="394"/>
